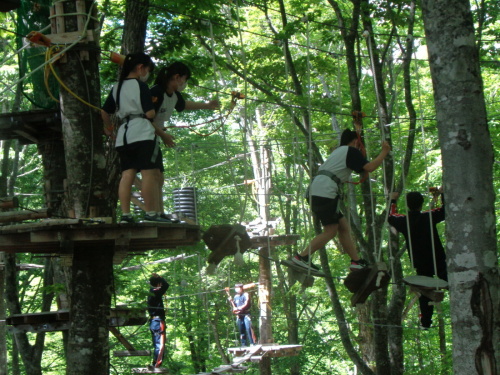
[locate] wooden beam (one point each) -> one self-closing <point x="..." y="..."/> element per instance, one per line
<point x="95" y="233"/>
<point x="122" y="339"/>
<point x="16" y="216"/>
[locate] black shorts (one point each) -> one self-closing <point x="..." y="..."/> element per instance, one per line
<point x="326" y="209"/>
<point x="140" y="155"/>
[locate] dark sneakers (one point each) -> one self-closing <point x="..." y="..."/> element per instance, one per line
<point x="156" y="218"/>
<point x="173" y="219"/>
<point x="358" y="264"/>
<point x="127" y="219"/>
<point x="304" y="262"/>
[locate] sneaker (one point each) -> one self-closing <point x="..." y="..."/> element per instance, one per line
<point x="127" y="219"/>
<point x="304" y="262"/>
<point x="170" y="217"/>
<point x="155" y="218"/>
<point x="358" y="264"/>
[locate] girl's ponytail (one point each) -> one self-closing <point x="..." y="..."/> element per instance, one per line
<point x="130" y="63"/>
<point x="166" y="74"/>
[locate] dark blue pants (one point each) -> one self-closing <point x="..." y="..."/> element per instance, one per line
<point x="157" y="328"/>
<point x="244" y="324"/>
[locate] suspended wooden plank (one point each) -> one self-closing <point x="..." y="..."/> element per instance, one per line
<point x="224" y="240"/>
<point x="301" y="269"/>
<point x="148" y="370"/>
<point x="426" y="282"/>
<point x="269" y="350"/>
<point x="364" y="281"/>
<point x="430" y="287"/>
<point x="16" y="216"/>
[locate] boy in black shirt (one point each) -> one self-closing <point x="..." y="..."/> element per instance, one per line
<point x="157" y="316"/>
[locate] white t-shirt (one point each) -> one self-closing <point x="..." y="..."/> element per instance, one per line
<point x="165" y="104"/>
<point x="341" y="162"/>
<point x="135" y="99"/>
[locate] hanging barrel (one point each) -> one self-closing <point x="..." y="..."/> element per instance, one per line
<point x="185" y="202"/>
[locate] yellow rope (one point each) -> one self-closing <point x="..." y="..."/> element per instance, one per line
<point x="49" y="52"/>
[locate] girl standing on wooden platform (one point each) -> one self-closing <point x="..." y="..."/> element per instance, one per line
<point x="166" y="92"/>
<point x="136" y="140"/>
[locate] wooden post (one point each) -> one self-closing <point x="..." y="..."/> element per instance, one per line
<point x="265" y="323"/>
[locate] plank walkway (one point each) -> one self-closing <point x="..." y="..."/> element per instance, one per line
<point x="253" y="354"/>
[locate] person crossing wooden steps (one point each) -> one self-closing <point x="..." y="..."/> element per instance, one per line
<point x="324" y="193"/>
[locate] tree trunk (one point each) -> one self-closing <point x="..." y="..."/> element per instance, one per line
<point x="88" y="349"/>
<point x="136" y="21"/>
<point x="467" y="156"/>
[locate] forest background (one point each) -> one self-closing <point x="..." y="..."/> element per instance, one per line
<point x="302" y="68"/>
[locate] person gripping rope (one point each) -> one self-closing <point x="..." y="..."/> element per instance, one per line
<point x="156" y="310"/>
<point x="241" y="308"/>
<point x="325" y="191"/>
<point x="166" y="93"/>
<point x="422" y="242"/>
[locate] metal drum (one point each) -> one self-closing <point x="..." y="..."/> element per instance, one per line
<point x="185" y="202"/>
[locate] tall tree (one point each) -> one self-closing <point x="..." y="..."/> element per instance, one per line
<point x="467" y="173"/>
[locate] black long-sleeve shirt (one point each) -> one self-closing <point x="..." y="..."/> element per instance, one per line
<point x="421" y="235"/>
<point x="155" y="299"/>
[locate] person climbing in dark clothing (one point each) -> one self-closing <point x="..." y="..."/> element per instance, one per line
<point x="156" y="311"/>
<point x="424" y="246"/>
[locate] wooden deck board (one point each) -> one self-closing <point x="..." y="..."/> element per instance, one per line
<point x="45" y="238"/>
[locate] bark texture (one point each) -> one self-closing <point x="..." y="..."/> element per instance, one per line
<point x="467" y="173"/>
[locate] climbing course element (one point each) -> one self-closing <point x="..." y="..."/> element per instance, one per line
<point x="364" y="281"/>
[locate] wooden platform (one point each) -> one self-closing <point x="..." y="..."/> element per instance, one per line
<point x="268" y="350"/>
<point x="364" y="281"/>
<point x="63" y="236"/>
<point x="36" y="126"/>
<point x="145" y="370"/>
<point x="253" y="354"/>
<point x="52" y="321"/>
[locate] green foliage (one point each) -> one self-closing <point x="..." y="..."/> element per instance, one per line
<point x="248" y="47"/>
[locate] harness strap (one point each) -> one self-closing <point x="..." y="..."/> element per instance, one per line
<point x="324" y="172"/>
<point x="128" y="119"/>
